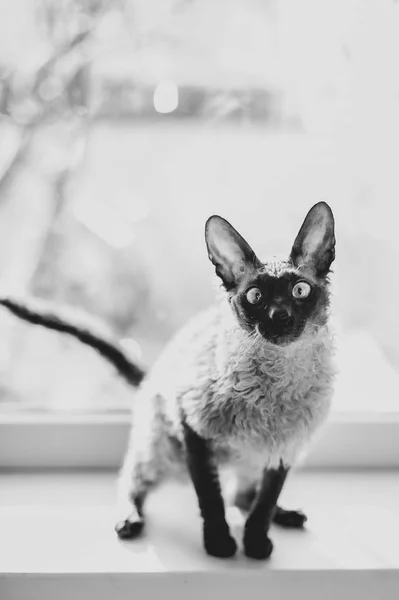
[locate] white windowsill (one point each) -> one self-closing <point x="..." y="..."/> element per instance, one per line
<point x="362" y="430"/>
<point x="57" y="541"/>
<point x="348" y="440"/>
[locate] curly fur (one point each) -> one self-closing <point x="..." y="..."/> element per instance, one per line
<point x="254" y="389"/>
<point x="258" y="402"/>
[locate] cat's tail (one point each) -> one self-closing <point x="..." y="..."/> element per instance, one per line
<point x="78" y="325"/>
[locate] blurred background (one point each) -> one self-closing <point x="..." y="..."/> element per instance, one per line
<point x="124" y="124"/>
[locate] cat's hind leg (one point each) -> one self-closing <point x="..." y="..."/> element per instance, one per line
<point x="147" y="461"/>
<point x="293" y="519"/>
<point x="136" y="480"/>
<point x="245" y="496"/>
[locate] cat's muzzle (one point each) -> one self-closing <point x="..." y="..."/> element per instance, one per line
<point x="279" y="328"/>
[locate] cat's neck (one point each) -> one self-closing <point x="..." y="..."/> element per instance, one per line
<point x="238" y="347"/>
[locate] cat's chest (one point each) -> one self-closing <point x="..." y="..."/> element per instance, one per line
<point x="269" y="398"/>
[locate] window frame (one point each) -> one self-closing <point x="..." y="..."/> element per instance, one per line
<point x="98" y="441"/>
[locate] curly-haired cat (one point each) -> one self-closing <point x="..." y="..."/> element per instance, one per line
<point x="243" y="385"/>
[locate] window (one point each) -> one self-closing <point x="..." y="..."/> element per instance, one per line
<point x="127" y="124"/>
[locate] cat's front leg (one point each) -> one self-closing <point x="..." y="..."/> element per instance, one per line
<point x="257" y="544"/>
<point x="203" y="471"/>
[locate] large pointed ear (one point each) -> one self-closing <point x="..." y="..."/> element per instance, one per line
<point x="314" y="246"/>
<point x="229" y="252"/>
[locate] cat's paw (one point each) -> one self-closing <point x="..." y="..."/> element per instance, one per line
<point x="294" y="519"/>
<point x="130" y="528"/>
<point x="257" y="545"/>
<point x="218" y="541"/>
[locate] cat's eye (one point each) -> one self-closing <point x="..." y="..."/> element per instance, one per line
<point x="254" y="295"/>
<point x="301" y="290"/>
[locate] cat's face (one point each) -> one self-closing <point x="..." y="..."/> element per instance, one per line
<point x="277" y="298"/>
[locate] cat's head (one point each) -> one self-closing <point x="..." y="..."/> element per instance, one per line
<point x="276" y="298"/>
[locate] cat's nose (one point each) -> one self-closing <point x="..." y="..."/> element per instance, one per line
<point x="278" y="314"/>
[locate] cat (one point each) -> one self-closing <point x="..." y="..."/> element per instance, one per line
<point x="243" y="385"/>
